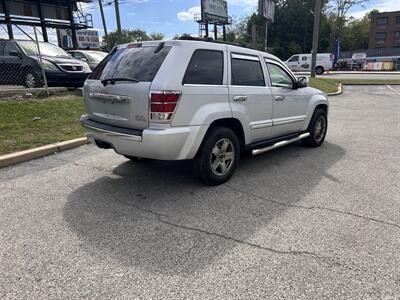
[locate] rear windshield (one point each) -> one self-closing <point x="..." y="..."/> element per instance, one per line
<point x="140" y="63"/>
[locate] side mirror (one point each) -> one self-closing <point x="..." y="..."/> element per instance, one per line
<point x="83" y="59"/>
<point x="302" y="82"/>
<point x="15" y="54"/>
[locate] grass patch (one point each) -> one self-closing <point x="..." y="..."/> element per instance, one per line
<point x="324" y="84"/>
<point x="329" y="85"/>
<point x="21" y="128"/>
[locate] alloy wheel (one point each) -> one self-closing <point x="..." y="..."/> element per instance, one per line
<point x="30" y="80"/>
<point x="222" y="157"/>
<point x="320" y="129"/>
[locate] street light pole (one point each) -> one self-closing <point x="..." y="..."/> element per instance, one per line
<point x="102" y="17"/>
<point x="118" y="21"/>
<point x="317" y="14"/>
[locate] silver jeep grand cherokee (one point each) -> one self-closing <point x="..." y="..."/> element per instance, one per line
<point x="205" y="101"/>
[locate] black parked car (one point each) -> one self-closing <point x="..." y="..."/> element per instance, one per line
<point x="20" y="65"/>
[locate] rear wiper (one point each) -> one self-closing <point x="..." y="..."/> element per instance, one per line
<point x="114" y="80"/>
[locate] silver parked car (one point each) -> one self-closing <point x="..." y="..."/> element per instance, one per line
<point x="206" y="101"/>
<point x="92" y="58"/>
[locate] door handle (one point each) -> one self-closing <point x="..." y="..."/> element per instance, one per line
<point x="239" y="98"/>
<point x="279" y="98"/>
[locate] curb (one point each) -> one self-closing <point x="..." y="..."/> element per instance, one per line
<point x="339" y="92"/>
<point x="21" y="156"/>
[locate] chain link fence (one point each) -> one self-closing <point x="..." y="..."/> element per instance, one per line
<point x="21" y="62"/>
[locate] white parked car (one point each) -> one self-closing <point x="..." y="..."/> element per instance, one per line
<point x="302" y="62"/>
<point x="206" y="101"/>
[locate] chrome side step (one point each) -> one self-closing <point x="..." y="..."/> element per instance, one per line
<point x="280" y="144"/>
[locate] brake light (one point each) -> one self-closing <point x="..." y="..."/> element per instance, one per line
<point x="134" y="45"/>
<point x="163" y="105"/>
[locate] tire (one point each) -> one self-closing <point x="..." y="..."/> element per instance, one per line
<point x="218" y="156"/>
<point x="32" y="80"/>
<point x="319" y="70"/>
<point x="134" y="158"/>
<point x="318" y="128"/>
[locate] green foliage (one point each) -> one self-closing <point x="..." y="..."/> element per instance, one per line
<point x="355" y="34"/>
<point x="128" y="36"/>
<point x="292" y="30"/>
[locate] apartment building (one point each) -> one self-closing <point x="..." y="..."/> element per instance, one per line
<point x="385" y="33"/>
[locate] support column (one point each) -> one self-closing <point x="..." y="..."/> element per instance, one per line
<point x="42" y="22"/>
<point x="72" y="27"/>
<point x="207" y="30"/>
<point x="224" y="32"/>
<point x="215" y="32"/>
<point x="8" y="20"/>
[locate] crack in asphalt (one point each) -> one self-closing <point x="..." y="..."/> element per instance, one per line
<point x="331" y="262"/>
<point x="315" y="208"/>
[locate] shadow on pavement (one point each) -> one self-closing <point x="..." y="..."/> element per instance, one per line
<point x="157" y="217"/>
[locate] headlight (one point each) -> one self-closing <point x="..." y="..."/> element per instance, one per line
<point x="48" y="65"/>
<point x="86" y="68"/>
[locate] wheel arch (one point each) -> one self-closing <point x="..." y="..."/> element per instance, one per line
<point x="317" y="103"/>
<point x="231" y="123"/>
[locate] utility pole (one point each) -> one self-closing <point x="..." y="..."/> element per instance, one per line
<point x="317" y="14"/>
<point x="103" y="18"/>
<point x="118" y="21"/>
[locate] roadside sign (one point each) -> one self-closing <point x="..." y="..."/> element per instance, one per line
<point x="359" y="56"/>
<point x="87" y="38"/>
<point x="267" y="10"/>
<point x="215" y="11"/>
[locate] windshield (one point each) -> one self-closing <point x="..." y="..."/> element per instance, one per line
<point x="96" y="56"/>
<point x="141" y="63"/>
<point x="46" y="49"/>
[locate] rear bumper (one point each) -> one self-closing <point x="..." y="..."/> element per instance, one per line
<point x="175" y="143"/>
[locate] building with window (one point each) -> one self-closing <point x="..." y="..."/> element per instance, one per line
<point x="384" y="38"/>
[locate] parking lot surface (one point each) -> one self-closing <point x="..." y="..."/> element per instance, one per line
<point x="357" y="75"/>
<point x="293" y="223"/>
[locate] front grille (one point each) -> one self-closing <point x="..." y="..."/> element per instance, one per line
<point x="72" y="68"/>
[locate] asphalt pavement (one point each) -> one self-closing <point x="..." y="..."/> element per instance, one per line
<point x="293" y="223"/>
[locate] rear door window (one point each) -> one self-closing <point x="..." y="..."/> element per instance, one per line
<point x="247" y="72"/>
<point x="138" y="62"/>
<point x="205" y="67"/>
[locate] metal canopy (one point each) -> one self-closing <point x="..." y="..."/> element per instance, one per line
<point x="59" y="14"/>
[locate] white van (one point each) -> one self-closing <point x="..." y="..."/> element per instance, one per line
<point x="302" y="62"/>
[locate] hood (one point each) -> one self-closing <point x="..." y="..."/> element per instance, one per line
<point x="60" y="60"/>
<point x="313" y="91"/>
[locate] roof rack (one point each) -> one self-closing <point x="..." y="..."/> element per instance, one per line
<point x="210" y="40"/>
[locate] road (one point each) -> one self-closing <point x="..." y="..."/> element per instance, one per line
<point x="293" y="223"/>
<point x="358" y="75"/>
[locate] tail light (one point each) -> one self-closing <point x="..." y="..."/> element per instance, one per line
<point x="163" y="105"/>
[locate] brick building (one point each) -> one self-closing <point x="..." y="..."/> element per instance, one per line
<point x="384" y="37"/>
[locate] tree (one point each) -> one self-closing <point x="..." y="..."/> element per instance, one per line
<point x="339" y="10"/>
<point x="293" y="28"/>
<point x="128" y="36"/>
<point x="355" y="32"/>
<point x="156" y="36"/>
